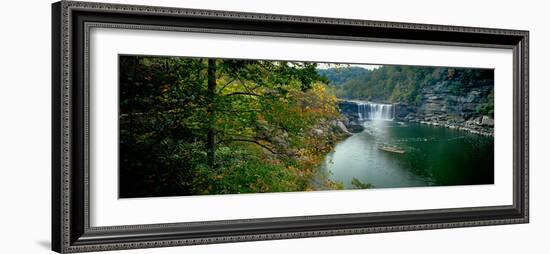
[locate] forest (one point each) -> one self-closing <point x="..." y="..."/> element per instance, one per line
<point x="403" y="84"/>
<point x="192" y="126"/>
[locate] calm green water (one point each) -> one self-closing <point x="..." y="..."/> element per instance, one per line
<point x="434" y="156"/>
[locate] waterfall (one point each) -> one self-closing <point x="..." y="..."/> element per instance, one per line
<point x="375" y="111"/>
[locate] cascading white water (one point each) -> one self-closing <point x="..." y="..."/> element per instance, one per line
<point x="375" y="111"/>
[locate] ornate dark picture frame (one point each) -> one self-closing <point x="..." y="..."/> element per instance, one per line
<point x="71" y="231"/>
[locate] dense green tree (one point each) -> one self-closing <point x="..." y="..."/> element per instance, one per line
<point x="338" y="74"/>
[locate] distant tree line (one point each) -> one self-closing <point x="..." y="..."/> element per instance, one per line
<point x="340" y="75"/>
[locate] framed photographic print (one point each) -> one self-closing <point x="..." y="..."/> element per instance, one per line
<point x="181" y="126"/>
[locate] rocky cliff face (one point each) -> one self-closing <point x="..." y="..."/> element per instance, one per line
<point x="442" y="105"/>
<point x="349" y="109"/>
<point x="350" y="116"/>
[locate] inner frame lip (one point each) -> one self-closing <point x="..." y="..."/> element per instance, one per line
<point x="102" y="25"/>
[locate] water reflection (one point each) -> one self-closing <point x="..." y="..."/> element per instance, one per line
<point x="431" y="156"/>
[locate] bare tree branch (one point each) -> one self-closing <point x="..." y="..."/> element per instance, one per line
<point x="227" y="84"/>
<point x="254" y="142"/>
<point x="243" y="93"/>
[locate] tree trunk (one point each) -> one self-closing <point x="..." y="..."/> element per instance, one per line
<point x="211" y="135"/>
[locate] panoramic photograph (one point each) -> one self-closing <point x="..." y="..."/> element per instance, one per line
<point x="208" y="126"/>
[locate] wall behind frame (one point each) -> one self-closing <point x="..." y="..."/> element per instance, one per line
<point x="25" y="125"/>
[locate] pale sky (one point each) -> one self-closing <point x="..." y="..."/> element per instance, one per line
<point x="333" y="65"/>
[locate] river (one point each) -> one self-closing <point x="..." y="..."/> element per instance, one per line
<point x="431" y="156"/>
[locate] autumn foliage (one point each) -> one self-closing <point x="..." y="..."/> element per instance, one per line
<point x="191" y="126"/>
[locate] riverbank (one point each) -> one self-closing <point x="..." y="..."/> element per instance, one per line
<point x="468" y="121"/>
<point x="474" y="126"/>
